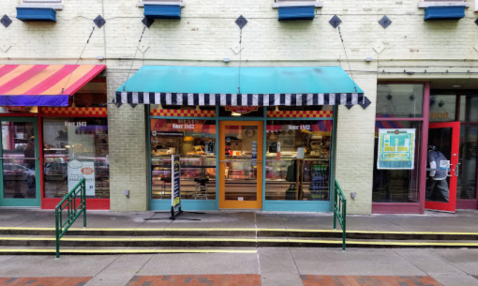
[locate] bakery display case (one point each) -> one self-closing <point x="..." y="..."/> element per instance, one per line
<point x="290" y="178"/>
<point x="194" y="141"/>
<point x="192" y="167"/>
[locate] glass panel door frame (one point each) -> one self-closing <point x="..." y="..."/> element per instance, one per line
<point x="458" y="94"/>
<point x="455" y="145"/>
<point x="13" y="202"/>
<point x="223" y="203"/>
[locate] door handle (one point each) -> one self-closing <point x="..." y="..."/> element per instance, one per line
<point x="449" y="171"/>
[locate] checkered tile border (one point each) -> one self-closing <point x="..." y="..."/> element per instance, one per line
<point x="301" y="114"/>
<point x="182" y="113"/>
<point x="75" y="111"/>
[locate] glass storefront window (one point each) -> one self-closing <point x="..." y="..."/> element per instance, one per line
<point x="469" y="108"/>
<point x="241" y="170"/>
<point x="400" y="100"/>
<point x="397" y="186"/>
<point x="285" y="139"/>
<point x="73" y="148"/>
<point x="19" y="160"/>
<point x="442" y="108"/>
<point x="466" y="188"/>
<point x="195" y="141"/>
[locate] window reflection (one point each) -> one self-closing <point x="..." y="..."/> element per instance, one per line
<point x="195" y="142"/>
<point x="19" y="163"/>
<point x="288" y="177"/>
<point x="397" y="185"/>
<point x="75" y="148"/>
<point x="400" y="100"/>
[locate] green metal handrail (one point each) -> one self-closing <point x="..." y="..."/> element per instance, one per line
<point x="74" y="210"/>
<point x="340" y="210"/>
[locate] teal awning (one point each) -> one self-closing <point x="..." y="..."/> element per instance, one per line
<point x="255" y="86"/>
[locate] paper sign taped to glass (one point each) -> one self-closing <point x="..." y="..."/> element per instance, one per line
<point x="396" y="149"/>
<point x="77" y="170"/>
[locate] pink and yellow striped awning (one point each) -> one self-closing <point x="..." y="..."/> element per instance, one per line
<point x="43" y="85"/>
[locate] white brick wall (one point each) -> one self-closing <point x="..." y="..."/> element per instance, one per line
<point x="207" y="34"/>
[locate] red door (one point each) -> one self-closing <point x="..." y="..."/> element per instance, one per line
<point x="441" y="194"/>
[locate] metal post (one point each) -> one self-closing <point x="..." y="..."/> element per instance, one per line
<point x="83" y="201"/>
<point x="335" y="206"/>
<point x="57" y="233"/>
<point x="344" y="217"/>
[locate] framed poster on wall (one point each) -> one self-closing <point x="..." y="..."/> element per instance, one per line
<point x="396" y="149"/>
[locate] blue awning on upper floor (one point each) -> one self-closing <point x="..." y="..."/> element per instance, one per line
<point x="444" y="12"/>
<point x="296" y="13"/>
<point x="162" y="11"/>
<point x="27" y="14"/>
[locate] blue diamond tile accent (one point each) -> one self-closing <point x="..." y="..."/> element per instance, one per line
<point x="335" y="21"/>
<point x="366" y="103"/>
<point x="241" y="22"/>
<point x="147" y="21"/>
<point x="385" y="22"/>
<point x="6" y="21"/>
<point x="99" y="21"/>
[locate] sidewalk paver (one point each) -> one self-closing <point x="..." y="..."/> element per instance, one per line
<point x="456" y="280"/>
<point x="48" y="266"/>
<point x="324" y="261"/>
<point x="464" y="259"/>
<point x="45" y="281"/>
<point x="201" y="264"/>
<point x="312" y="280"/>
<point x="189" y="280"/>
<point x="429" y="262"/>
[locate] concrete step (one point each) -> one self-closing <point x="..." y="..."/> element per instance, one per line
<point x="230" y="242"/>
<point x="5" y="250"/>
<point x="245" y="232"/>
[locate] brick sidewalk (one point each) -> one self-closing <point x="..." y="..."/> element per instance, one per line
<point x="313" y="280"/>
<point x="45" y="281"/>
<point x="231" y="280"/>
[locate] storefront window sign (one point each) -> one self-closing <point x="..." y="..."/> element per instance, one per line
<point x="396" y="149"/>
<point x="78" y="170"/>
<point x="82" y="123"/>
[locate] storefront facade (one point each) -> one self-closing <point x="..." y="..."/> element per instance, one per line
<point x="416" y="74"/>
<point x="261" y="151"/>
<point x="444" y="119"/>
<point x="41" y="144"/>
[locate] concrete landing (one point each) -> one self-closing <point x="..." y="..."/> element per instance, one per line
<point x="462" y="221"/>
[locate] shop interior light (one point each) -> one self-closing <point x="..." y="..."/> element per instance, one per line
<point x="235" y="114"/>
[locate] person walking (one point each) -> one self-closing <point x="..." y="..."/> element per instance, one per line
<point x="439" y="166"/>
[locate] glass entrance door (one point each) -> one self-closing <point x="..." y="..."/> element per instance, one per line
<point x="19" y="168"/>
<point x="443" y="166"/>
<point x="240" y="161"/>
